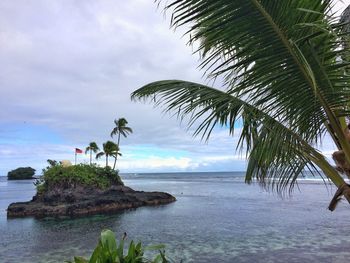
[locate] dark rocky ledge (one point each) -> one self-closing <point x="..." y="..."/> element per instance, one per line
<point x="81" y="201"/>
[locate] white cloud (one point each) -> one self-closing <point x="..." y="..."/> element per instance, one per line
<point x="70" y="68"/>
<point x="156" y="163"/>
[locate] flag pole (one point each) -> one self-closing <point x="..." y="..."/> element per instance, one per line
<point x="77" y="150"/>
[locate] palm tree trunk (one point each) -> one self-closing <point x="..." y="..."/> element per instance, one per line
<point x="106" y="160"/>
<point x="115" y="161"/>
<point x="90" y="156"/>
<point x="116" y="157"/>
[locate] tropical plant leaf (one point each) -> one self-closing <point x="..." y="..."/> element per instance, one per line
<point x="121" y="128"/>
<point x="99" y="155"/>
<point x="108" y="240"/>
<point x="80" y="260"/>
<point x="277" y="154"/>
<point x="263" y="49"/>
<point x="285" y="71"/>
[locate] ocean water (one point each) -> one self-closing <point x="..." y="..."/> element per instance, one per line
<point x="216" y="218"/>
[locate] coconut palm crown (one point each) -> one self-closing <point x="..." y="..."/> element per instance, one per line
<point x="121" y="128"/>
<point x="283" y="70"/>
<point x="92" y="148"/>
<point x="109" y="149"/>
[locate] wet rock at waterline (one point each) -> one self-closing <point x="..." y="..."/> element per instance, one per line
<point x="81" y="201"/>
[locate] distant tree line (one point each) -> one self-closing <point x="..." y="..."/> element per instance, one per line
<point x="21" y="173"/>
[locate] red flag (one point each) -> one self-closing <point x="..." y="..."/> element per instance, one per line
<point x="77" y="150"/>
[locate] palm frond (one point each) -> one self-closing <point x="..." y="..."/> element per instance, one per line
<point x="281" y="56"/>
<point x="121" y="128"/>
<point x="277" y="154"/>
<point x="93" y="147"/>
<point x="114" y="131"/>
<point x="285" y="68"/>
<point x="99" y="155"/>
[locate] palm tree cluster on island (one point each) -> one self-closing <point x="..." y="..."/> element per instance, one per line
<point x="285" y="71"/>
<point x="110" y="148"/>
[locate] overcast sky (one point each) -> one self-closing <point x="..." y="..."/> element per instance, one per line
<point x="67" y="69"/>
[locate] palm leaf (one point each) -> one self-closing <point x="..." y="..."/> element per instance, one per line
<point x="87" y="149"/>
<point x="284" y="67"/>
<point x="277" y="154"/>
<point x="99" y="155"/>
<point x="121" y="128"/>
<point x="265" y="50"/>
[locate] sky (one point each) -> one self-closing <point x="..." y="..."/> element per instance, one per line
<point x="67" y="69"/>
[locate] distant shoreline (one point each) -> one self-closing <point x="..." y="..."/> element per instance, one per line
<point x="144" y="173"/>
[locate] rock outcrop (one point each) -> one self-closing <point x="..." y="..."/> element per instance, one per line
<point x="81" y="200"/>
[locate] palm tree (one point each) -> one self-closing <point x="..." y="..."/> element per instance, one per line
<point x="91" y="148"/>
<point x="283" y="79"/>
<point x="109" y="149"/>
<point x="120" y="129"/>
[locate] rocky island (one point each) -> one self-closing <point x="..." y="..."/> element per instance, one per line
<point x="81" y="190"/>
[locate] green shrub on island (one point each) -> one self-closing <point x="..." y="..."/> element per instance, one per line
<point x="108" y="251"/>
<point x="21" y="173"/>
<point x="81" y="174"/>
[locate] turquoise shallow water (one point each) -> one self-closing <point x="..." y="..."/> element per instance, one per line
<point x="216" y="218"/>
